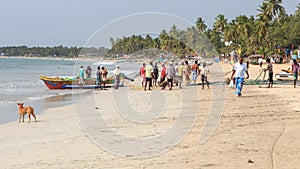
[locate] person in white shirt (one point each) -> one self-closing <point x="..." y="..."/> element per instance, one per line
<point x="204" y="71"/>
<point x="117" y="77"/>
<point x="239" y="69"/>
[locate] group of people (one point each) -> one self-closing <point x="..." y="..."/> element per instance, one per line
<point x="101" y="75"/>
<point x="269" y="68"/>
<point x="240" y="68"/>
<point x="171" y="74"/>
<point x="87" y="73"/>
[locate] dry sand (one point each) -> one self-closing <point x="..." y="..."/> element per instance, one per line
<point x="262" y="126"/>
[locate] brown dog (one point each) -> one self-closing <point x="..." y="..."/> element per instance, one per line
<point x="25" y="110"/>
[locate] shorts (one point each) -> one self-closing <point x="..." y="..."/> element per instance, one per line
<point x="179" y="78"/>
<point x="148" y="79"/>
<point x="81" y="81"/>
<point x="187" y="78"/>
<point x="271" y="77"/>
<point x="195" y="75"/>
<point x="203" y="78"/>
<point x="155" y="76"/>
<point x="98" y="82"/>
<point x="170" y="80"/>
<point x="143" y="79"/>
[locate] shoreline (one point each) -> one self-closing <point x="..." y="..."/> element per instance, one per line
<point x="64" y="58"/>
<point x="40" y="105"/>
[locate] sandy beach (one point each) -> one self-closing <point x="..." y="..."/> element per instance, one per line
<point x="262" y="126"/>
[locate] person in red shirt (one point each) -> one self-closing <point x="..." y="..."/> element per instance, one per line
<point x="163" y="77"/>
<point x="163" y="73"/>
<point x="143" y="74"/>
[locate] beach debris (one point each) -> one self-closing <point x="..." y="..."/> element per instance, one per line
<point x="250" y="161"/>
<point x="97" y="108"/>
<point x="129" y="155"/>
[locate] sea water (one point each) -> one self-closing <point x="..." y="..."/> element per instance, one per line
<point x="20" y="79"/>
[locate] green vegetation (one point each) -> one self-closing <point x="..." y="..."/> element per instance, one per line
<point x="56" y="51"/>
<point x="271" y="31"/>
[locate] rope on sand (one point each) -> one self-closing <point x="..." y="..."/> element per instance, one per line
<point x="254" y="81"/>
<point x="274" y="145"/>
<point x="134" y="87"/>
<point x="263" y="78"/>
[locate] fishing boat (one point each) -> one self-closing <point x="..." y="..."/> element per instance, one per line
<point x="285" y="75"/>
<point x="70" y="82"/>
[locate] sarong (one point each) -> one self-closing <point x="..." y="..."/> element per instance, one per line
<point x="239" y="85"/>
<point x="194" y="74"/>
<point x="295" y="76"/>
<point x="117" y="82"/>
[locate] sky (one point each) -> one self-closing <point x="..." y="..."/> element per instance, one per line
<point x="74" y="22"/>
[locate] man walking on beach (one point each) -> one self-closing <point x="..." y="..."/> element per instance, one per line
<point x="195" y="71"/>
<point x="270" y="69"/>
<point x="170" y="72"/>
<point x="88" y="72"/>
<point x="117" y="77"/>
<point x="239" y="70"/>
<point x="162" y="82"/>
<point x="81" y="76"/>
<point x="295" y="69"/>
<point x="179" y="77"/>
<point x="155" y="74"/>
<point x="104" y="73"/>
<point x="142" y="74"/>
<point x="187" y="72"/>
<point x="204" y="71"/>
<point x="148" y="74"/>
<point x="99" y="77"/>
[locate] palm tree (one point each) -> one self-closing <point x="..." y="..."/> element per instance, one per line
<point x="274" y="8"/>
<point x="200" y="24"/>
<point x="173" y="31"/>
<point x="297" y="12"/>
<point x="192" y="35"/>
<point x="112" y="42"/>
<point x="231" y="33"/>
<point x="243" y="26"/>
<point x="220" y="23"/>
<point x="264" y="14"/>
<point x="270" y="9"/>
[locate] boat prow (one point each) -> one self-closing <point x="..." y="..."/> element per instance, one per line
<point x="284" y="76"/>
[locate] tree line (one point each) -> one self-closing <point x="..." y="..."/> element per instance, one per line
<point x="56" y="51"/>
<point x="271" y="31"/>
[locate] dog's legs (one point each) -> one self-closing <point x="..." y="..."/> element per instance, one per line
<point x="23" y="118"/>
<point x="34" y="117"/>
<point x="28" y="118"/>
<point x="20" y="118"/>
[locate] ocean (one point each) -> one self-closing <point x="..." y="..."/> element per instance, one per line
<point x="20" y="80"/>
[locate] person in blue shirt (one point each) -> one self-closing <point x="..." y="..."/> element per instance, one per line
<point x="81" y="76"/>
